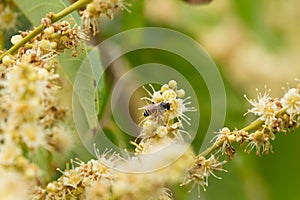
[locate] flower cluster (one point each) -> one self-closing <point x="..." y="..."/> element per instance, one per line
<point x="33" y="122"/>
<point x="268" y="108"/>
<point x="32" y="114"/>
<point x="145" y="176"/>
<point x="113" y="177"/>
<point x="201" y="169"/>
<point x="31" y="117"/>
<point x="161" y="134"/>
<point x="274" y="115"/>
<point x="91" y="180"/>
<point x="96" y="9"/>
<point x="226" y="138"/>
<point x="134" y="178"/>
<point x="165" y="115"/>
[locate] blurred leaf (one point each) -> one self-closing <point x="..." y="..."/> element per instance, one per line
<point x="35" y="10"/>
<point x="85" y="72"/>
<point x="71" y="64"/>
<point x="249" y="11"/>
<point x="252" y="13"/>
<point x="135" y="18"/>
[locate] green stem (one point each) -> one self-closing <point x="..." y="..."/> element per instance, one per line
<point x="68" y="10"/>
<point x="252" y="126"/>
<point x="40" y="28"/>
<point x="212" y="148"/>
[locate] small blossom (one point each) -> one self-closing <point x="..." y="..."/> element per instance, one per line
<point x="261" y="141"/>
<point x="9" y="152"/>
<point x="16" y="39"/>
<point x="91" y="15"/>
<point x="173" y="85"/>
<point x="32" y="135"/>
<point x="99" y="190"/>
<point x="178" y="106"/>
<point x="7" y="60"/>
<point x="164" y="117"/>
<point x="162" y="131"/>
<point x="291" y="101"/>
<point x="200" y="171"/>
<point x="77" y="181"/>
<point x="226" y="137"/>
<point x="14" y="185"/>
<point x="61" y="138"/>
<point x="241" y="136"/>
<point x="265" y="107"/>
<point x="72" y="178"/>
<point x="49" y="31"/>
<point x="8" y="19"/>
<point x="180" y="93"/>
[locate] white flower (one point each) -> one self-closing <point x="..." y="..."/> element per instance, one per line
<point x="32" y="135"/>
<point x="265" y="107"/>
<point x="291" y="101"/>
<point x="9" y="151"/>
<point x="16" y="39"/>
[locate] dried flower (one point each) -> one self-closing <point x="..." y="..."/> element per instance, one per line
<point x="226" y="138"/>
<point x="200" y="171"/>
<point x="241" y="136"/>
<point x="261" y="141"/>
<point x="94" y="10"/>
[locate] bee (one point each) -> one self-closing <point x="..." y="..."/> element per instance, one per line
<point x="156" y="109"/>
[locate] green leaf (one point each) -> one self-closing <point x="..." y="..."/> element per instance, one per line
<point x="71" y="64"/>
<point x="85" y="73"/>
<point x="84" y="79"/>
<point x="35" y="10"/>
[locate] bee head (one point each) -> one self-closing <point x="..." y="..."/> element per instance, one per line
<point x="165" y="105"/>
